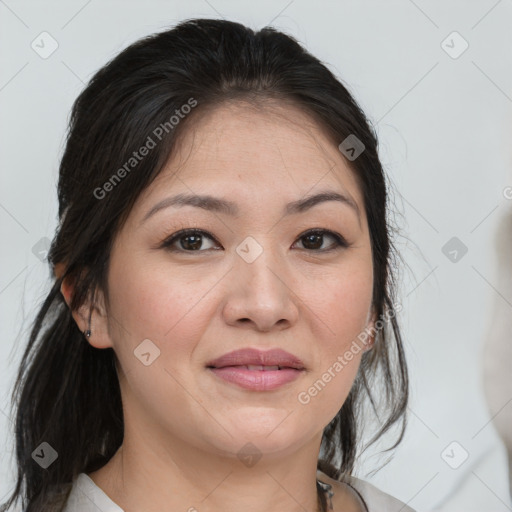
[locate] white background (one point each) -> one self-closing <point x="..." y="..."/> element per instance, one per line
<point x="444" y="126"/>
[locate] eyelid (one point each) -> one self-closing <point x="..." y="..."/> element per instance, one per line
<point x="170" y="240"/>
<point x="340" y="241"/>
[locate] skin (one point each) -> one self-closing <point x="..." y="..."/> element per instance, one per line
<point x="183" y="425"/>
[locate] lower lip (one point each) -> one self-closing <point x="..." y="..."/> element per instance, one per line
<point x="257" y="380"/>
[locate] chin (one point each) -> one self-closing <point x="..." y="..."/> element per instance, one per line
<point x="271" y="437"/>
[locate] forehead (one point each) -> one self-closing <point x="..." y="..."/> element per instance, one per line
<point x="271" y="146"/>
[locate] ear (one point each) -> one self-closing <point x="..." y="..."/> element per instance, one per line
<point x="93" y="310"/>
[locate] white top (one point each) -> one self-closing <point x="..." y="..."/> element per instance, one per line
<point x="86" y="496"/>
<point x="375" y="499"/>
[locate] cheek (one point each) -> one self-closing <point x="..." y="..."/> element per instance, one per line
<point x="156" y="302"/>
<point x="342" y="303"/>
<point x="351" y="312"/>
<point x="148" y="302"/>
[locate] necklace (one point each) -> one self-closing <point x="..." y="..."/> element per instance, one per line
<point x="327" y="489"/>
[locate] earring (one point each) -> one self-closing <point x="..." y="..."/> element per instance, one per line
<point x="87" y="332"/>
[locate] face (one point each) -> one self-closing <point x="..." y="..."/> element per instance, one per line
<point x="249" y="278"/>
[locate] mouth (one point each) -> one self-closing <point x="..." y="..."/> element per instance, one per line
<point x="265" y="379"/>
<point x="255" y="359"/>
<point x="257" y="367"/>
<point x="257" y="370"/>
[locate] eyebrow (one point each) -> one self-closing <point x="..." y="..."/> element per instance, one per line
<point x="215" y="204"/>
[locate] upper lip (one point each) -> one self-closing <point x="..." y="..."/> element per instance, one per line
<point x="252" y="356"/>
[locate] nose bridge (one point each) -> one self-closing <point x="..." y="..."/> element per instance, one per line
<point x="260" y="265"/>
<point x="258" y="291"/>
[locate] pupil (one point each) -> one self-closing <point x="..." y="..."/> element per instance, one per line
<point x="313" y="237"/>
<point x="193" y="245"/>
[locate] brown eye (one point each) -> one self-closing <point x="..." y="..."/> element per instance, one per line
<point x="188" y="241"/>
<point x="192" y="240"/>
<point x="314" y="240"/>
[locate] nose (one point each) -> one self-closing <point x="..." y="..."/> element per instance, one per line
<point x="260" y="295"/>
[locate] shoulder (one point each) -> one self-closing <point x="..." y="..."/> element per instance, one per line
<point x="365" y="495"/>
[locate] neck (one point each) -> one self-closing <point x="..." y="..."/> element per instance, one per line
<point x="143" y="476"/>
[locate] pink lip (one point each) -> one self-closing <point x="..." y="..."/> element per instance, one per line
<point x="231" y="367"/>
<point x="245" y="356"/>
<point x="257" y="380"/>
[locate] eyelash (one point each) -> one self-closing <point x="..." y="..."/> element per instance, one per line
<point x="340" y="242"/>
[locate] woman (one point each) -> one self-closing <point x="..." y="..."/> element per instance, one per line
<point x="224" y="288"/>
